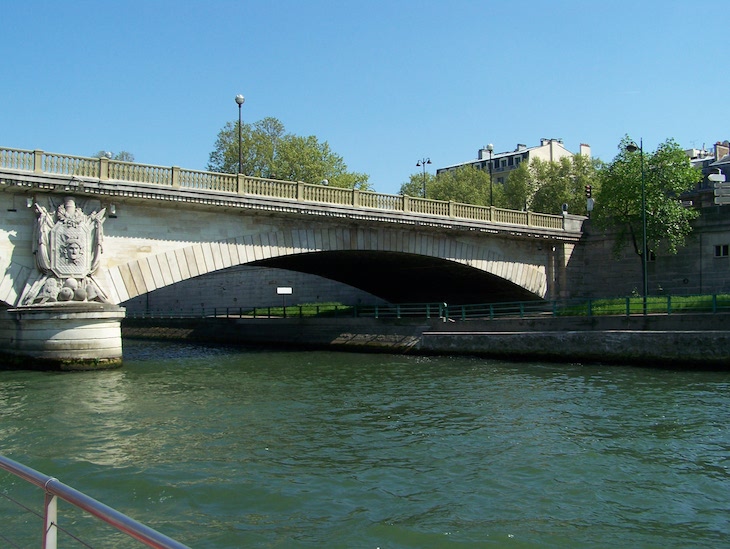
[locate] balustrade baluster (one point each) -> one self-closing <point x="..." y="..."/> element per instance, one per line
<point x="106" y="170"/>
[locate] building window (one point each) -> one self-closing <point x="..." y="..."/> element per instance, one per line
<point x="722" y="250"/>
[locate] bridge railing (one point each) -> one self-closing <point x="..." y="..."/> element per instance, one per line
<point x="134" y="173"/>
<point x="105" y="169"/>
<point x="259" y="186"/>
<point x="15" y="159"/>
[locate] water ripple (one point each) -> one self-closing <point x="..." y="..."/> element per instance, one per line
<point x="228" y="447"/>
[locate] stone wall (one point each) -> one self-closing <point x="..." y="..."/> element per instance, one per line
<point x="248" y="287"/>
<point x="664" y="340"/>
<point x="594" y="270"/>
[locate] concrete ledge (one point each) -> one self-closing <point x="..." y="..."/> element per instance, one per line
<point x="669" y="348"/>
<point x="364" y="334"/>
<point x="549" y="323"/>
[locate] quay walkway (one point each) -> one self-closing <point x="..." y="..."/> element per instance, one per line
<point x="521" y="331"/>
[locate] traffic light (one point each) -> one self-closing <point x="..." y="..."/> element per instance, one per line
<point x="589" y="191"/>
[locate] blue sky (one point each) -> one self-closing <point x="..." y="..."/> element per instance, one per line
<point x="385" y="83"/>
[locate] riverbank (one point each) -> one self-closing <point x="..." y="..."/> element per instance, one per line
<point x="663" y="340"/>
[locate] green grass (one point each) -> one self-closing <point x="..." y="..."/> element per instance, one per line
<point x="598" y="307"/>
<point x="633" y="305"/>
<point x="308" y="310"/>
<point x="654" y="305"/>
<point x="314" y="310"/>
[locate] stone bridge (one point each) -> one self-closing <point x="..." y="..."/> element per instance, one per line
<point x="92" y="234"/>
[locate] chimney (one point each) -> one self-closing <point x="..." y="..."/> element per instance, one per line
<point x="721" y="149"/>
<point x="585" y="150"/>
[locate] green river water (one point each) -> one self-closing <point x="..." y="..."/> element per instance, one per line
<point x="231" y="447"/>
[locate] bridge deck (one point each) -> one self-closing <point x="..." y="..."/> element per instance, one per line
<point x="30" y="171"/>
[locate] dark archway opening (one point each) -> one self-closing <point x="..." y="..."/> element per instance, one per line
<point x="405" y="278"/>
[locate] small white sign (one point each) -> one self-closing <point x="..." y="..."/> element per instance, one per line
<point x="717" y="177"/>
<point x="284" y="290"/>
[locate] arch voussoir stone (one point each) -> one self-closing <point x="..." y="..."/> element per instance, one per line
<point x="195" y="259"/>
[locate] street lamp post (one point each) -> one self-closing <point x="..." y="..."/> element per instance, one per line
<point x="423" y="163"/>
<point x="239" y="100"/>
<point x="631" y="147"/>
<point x="490" y="148"/>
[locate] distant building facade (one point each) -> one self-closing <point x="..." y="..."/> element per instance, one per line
<point x="716" y="160"/>
<point x="499" y="164"/>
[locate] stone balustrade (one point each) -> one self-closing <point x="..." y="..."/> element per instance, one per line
<point x="104" y="169"/>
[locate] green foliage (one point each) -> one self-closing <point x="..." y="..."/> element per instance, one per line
<point x="541" y="186"/>
<point x="414" y="186"/>
<point x="519" y="189"/>
<point x="416" y="183"/>
<point x="123" y="156"/>
<point x="667" y="174"/>
<point x="545" y="186"/>
<point x="268" y="151"/>
<point x="466" y="184"/>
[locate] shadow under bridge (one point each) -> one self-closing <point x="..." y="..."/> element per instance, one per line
<point x="405" y="278"/>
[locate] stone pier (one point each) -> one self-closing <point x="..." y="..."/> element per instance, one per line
<point x="69" y="336"/>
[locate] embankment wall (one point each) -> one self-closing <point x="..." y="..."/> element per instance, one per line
<point x="675" y="340"/>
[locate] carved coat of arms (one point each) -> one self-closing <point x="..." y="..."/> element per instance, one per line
<point x="67" y="246"/>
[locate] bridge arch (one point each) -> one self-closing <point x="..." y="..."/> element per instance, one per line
<point x="344" y="253"/>
<point x="164" y="225"/>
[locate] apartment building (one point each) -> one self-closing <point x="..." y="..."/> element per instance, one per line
<point x="499" y="164"/>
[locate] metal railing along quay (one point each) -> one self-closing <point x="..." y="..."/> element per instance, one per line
<point x="626" y="306"/>
<point x="421" y="310"/>
<point x="48" y="524"/>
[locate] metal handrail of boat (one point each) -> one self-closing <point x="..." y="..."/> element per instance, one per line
<point x="55" y="489"/>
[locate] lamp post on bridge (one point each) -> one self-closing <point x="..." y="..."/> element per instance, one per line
<point x="490" y="148"/>
<point x="239" y="100"/>
<point x="423" y="163"/>
<point x="631" y="147"/>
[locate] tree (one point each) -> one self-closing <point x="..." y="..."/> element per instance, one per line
<point x="466" y="184"/>
<point x="122" y="156"/>
<point x="667" y="174"/>
<point x="545" y="186"/>
<point x="519" y="189"/>
<point x="416" y="183"/>
<point x="541" y="186"/>
<point x="268" y="151"/>
<point x="258" y="148"/>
